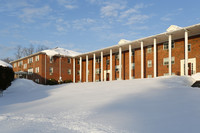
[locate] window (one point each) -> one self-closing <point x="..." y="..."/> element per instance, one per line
<point x="149" y="49"/>
<point x="37" y="58"/>
<point x="149" y="63"/>
<point x="69" y="71"/>
<point x="20" y="63"/>
<point x="15" y="65"/>
<point x="117" y="67"/>
<point x="98" y="70"/>
<point x="69" y="60"/>
<point x="51" y="70"/>
<point x="78" y="62"/>
<point x="25" y="66"/>
<point x="149" y="76"/>
<point x="37" y="70"/>
<point x="98" y="60"/>
<point x="133" y="65"/>
<point x="165" y="45"/>
<point x="189" y="47"/>
<point x="166" y="61"/>
<point x="78" y="72"/>
<point x="30" y="60"/>
<point x="117" y="56"/>
<point x="133" y="52"/>
<point x="30" y="71"/>
<point x="51" y="59"/>
<point x="107" y="62"/>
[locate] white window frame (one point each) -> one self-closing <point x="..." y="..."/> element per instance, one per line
<point x="30" y="60"/>
<point x="149" y="76"/>
<point x="69" y="60"/>
<point x="166" y="61"/>
<point x="166" y="45"/>
<point x="25" y="66"/>
<point x="30" y="71"/>
<point x="37" y="69"/>
<point x="149" y="63"/>
<point x="15" y="65"/>
<point x="149" y="49"/>
<point x="37" y="58"/>
<point x="69" y="71"/>
<point x="50" y="70"/>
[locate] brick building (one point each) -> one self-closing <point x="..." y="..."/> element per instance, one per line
<point x="158" y="55"/>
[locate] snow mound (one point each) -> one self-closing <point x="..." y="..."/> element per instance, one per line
<point x="196" y="76"/>
<point x="156" y="105"/>
<point x="60" y="51"/>
<point x="4" y="64"/>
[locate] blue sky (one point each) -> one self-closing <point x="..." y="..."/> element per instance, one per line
<point x="86" y="25"/>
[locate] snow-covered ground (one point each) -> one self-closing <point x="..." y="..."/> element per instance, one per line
<point x="161" y="105"/>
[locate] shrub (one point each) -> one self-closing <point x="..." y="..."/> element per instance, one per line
<point x="6" y="77"/>
<point x="52" y="82"/>
<point x="67" y="81"/>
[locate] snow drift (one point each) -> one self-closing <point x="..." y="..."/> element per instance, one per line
<point x="160" y="105"/>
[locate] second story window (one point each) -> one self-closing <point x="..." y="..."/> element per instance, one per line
<point x="15" y="65"/>
<point x="69" y="60"/>
<point x="30" y="60"/>
<point x="25" y="66"/>
<point x="149" y="63"/>
<point x="37" y="70"/>
<point x="166" y="45"/>
<point x="37" y="58"/>
<point x="51" y="70"/>
<point x="51" y="59"/>
<point x="20" y="63"/>
<point x="149" y="49"/>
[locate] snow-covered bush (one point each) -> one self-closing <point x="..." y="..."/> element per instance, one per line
<point x="6" y="77"/>
<point x="52" y="82"/>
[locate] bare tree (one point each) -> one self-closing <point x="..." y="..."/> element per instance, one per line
<point x="19" y="52"/>
<point x="8" y="59"/>
<point x="40" y="48"/>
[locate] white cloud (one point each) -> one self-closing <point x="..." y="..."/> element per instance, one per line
<point x="111" y="9"/>
<point x="169" y="16"/>
<point x="69" y="4"/>
<point x="29" y="14"/>
<point x="137" y="19"/>
<point x="83" y="24"/>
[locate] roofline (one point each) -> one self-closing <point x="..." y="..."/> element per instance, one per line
<point x="116" y="45"/>
<point x="138" y="40"/>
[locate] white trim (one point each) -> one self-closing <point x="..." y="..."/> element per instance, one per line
<point x="110" y="64"/>
<point x="130" y="53"/>
<point x="94" y="67"/>
<point x="101" y="66"/>
<point x="86" y="68"/>
<point x="170" y="55"/>
<point x="186" y="52"/>
<point x="74" y="73"/>
<point x="142" y="60"/>
<point x="80" y="69"/>
<point x="120" y="63"/>
<point x="190" y="60"/>
<point x="155" y="58"/>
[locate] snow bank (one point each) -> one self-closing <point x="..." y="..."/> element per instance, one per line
<point x="4" y="64"/>
<point x="60" y="51"/>
<point x="196" y="76"/>
<point x="160" y="105"/>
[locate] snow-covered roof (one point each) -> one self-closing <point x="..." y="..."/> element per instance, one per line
<point x="60" y="51"/>
<point x="123" y="41"/>
<point x="173" y="28"/>
<point x="4" y="64"/>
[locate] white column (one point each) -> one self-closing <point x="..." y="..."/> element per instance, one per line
<point x="80" y="74"/>
<point x="45" y="69"/>
<point x="170" y="55"/>
<point x="86" y="68"/>
<point x="110" y="64"/>
<point x="74" y="76"/>
<point x="186" y="53"/>
<point x="60" y="76"/>
<point x="130" y="67"/>
<point x="101" y="66"/>
<point x="142" y="61"/>
<point x="120" y="63"/>
<point x="155" y="58"/>
<point x="94" y="67"/>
